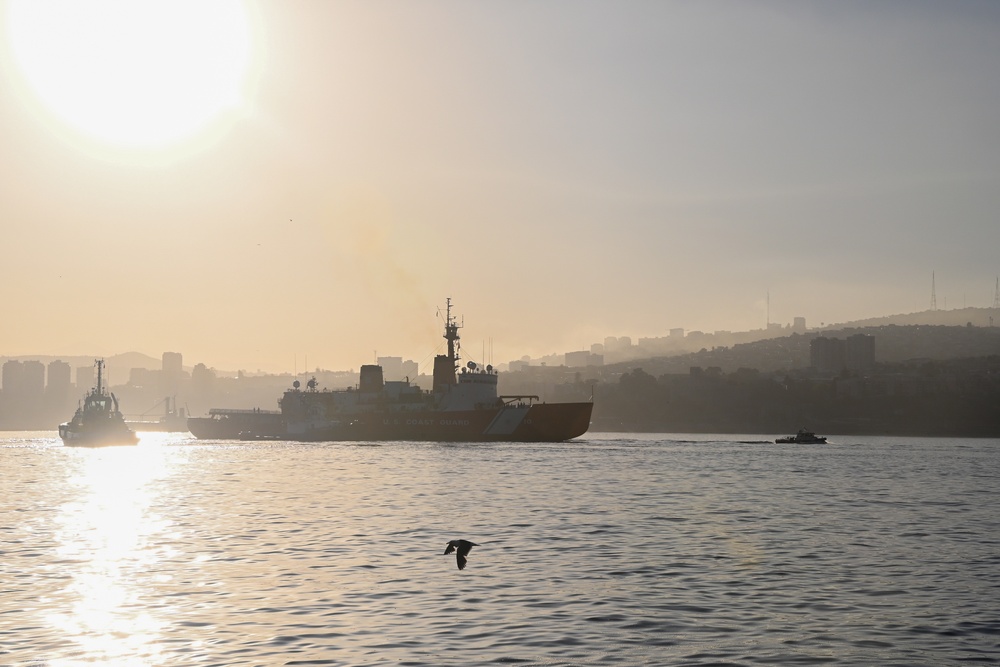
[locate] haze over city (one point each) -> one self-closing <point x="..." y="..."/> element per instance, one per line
<point x="257" y="184"/>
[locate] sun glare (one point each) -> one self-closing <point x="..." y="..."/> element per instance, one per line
<point x="110" y="530"/>
<point x="133" y="73"/>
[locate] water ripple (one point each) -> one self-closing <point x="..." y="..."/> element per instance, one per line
<point x="615" y="550"/>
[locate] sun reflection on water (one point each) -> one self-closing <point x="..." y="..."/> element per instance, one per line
<point x="106" y="544"/>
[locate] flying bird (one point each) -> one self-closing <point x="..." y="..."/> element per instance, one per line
<point x="462" y="547"/>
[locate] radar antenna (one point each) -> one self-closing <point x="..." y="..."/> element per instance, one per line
<point x="933" y="293"/>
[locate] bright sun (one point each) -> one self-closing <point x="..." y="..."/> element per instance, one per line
<point x="133" y="73"/>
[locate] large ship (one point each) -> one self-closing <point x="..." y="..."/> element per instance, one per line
<point x="463" y="405"/>
<point x="98" y="422"/>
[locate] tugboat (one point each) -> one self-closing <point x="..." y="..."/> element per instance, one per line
<point x="462" y="406"/>
<point x="803" y="437"/>
<point x="98" y="422"/>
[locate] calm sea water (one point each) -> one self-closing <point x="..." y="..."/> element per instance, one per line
<point x="613" y="550"/>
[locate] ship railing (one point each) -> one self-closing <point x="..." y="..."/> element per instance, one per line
<point x="513" y="400"/>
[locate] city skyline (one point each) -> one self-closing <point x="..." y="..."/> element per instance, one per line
<point x="653" y="345"/>
<point x="312" y="180"/>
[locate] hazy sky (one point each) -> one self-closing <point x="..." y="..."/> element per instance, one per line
<point x="565" y="171"/>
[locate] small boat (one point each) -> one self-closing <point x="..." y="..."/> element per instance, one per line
<point x="98" y="422"/>
<point x="803" y="437"/>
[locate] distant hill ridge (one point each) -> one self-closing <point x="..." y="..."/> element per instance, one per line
<point x="959" y="317"/>
<point x="894" y="343"/>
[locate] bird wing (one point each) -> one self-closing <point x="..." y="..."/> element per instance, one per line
<point x="449" y="548"/>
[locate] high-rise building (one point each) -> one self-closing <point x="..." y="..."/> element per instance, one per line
<point x="392" y="367"/>
<point x="172" y="372"/>
<point x="826" y="354"/>
<point x="13" y="371"/>
<point x="33" y="378"/>
<point x="23" y="377"/>
<point x="60" y="377"/>
<point x="173" y="363"/>
<point x="859" y="352"/>
<point x="411" y="369"/>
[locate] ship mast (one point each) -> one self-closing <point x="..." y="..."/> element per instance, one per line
<point x="100" y="376"/>
<point x="445" y="364"/>
<point x="451" y="333"/>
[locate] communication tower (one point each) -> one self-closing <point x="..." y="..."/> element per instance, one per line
<point x="996" y="294"/>
<point x="933" y="293"/>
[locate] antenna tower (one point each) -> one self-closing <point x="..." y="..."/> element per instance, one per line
<point x="933" y="293"/>
<point x="996" y="295"/>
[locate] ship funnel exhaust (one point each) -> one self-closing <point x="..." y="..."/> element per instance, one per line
<point x="371" y="378"/>
<point x="444" y="372"/>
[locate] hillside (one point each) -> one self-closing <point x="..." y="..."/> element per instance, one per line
<point x="977" y="317"/>
<point x="893" y="344"/>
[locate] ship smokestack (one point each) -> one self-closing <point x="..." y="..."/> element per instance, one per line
<point x="444" y="372"/>
<point x="371" y="378"/>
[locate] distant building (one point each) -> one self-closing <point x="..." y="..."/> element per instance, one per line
<point x="410" y="369"/>
<point x="677" y="333"/>
<point x="392" y="367"/>
<point x="833" y="355"/>
<point x="859" y="353"/>
<point x="23" y="377"/>
<point x="826" y="354"/>
<point x="583" y="358"/>
<point x="59" y="377"/>
<point x="12" y="374"/>
<point x="799" y="324"/>
<point x="59" y="395"/>
<point x="615" y="344"/>
<point x="202" y="379"/>
<point x="172" y="372"/>
<point x="173" y="363"/>
<point x="32" y="378"/>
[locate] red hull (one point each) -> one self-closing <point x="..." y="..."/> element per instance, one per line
<point x="542" y="422"/>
